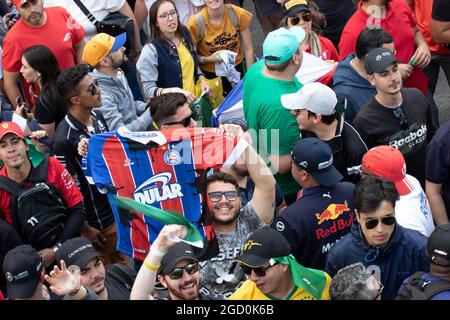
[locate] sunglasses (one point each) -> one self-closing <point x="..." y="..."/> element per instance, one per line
<point x="93" y="88"/>
<point x="295" y="20"/>
<point x="398" y="113"/>
<point x="380" y="290"/>
<point x="217" y="196"/>
<point x="177" y="273"/>
<point x="372" y="223"/>
<point x="185" y="122"/>
<point x="260" y="271"/>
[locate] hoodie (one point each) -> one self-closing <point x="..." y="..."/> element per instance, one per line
<point x="348" y="84"/>
<point x="118" y="105"/>
<point x="402" y="256"/>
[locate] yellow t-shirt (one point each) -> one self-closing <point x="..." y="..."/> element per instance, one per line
<point x="249" y="291"/>
<point x="187" y="68"/>
<point x="220" y="37"/>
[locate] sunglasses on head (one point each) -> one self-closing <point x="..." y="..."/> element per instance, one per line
<point x="185" y="122"/>
<point x="295" y="20"/>
<point x="217" y="196"/>
<point x="260" y="271"/>
<point x="398" y="113"/>
<point x="93" y="88"/>
<point x="372" y="223"/>
<point x="177" y="272"/>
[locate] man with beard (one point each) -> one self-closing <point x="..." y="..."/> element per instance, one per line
<point x="106" y="53"/>
<point x="111" y="283"/>
<point x="81" y="95"/>
<point x="174" y="264"/>
<point x="395" y="116"/>
<point x="51" y="27"/>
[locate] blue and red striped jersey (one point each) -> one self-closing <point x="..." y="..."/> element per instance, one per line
<point x="158" y="168"/>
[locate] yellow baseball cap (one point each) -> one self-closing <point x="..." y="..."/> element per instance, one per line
<point x="99" y="46"/>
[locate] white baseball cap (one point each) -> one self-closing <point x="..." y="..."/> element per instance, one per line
<point x="315" y="97"/>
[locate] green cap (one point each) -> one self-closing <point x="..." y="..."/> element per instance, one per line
<point x="281" y="44"/>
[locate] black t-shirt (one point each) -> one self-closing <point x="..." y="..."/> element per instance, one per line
<point x="348" y="150"/>
<point x="377" y="125"/>
<point x="119" y="281"/>
<point x="49" y="108"/>
<point x="438" y="162"/>
<point x="441" y="10"/>
<point x="312" y="224"/>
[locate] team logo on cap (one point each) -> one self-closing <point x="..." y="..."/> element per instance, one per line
<point x="250" y="243"/>
<point x="378" y="57"/>
<point x="5" y="125"/>
<point x="325" y="164"/>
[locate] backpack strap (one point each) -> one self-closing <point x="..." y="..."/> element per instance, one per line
<point x="9" y="185"/>
<point x="200" y="21"/>
<point x="39" y="174"/>
<point x="86" y="12"/>
<point x="233" y="17"/>
<point x="419" y="289"/>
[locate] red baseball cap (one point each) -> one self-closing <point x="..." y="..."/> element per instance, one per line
<point x="10" y="127"/>
<point x="18" y="3"/>
<point x="387" y="162"/>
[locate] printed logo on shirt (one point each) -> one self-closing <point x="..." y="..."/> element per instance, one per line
<point x="409" y="141"/>
<point x="67" y="179"/>
<point x="157" y="189"/>
<point x="280" y="226"/>
<point x="172" y="157"/>
<point x="332" y="212"/>
<point x="225" y="41"/>
<point x="67" y="37"/>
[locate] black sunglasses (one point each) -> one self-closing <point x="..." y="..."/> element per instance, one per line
<point x="217" y="196"/>
<point x="93" y="88"/>
<point x="185" y="122"/>
<point x="295" y="20"/>
<point x="177" y="273"/>
<point x="260" y="271"/>
<point x="372" y="223"/>
<point x="398" y="113"/>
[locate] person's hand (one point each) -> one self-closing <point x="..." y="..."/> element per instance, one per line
<point x="422" y="56"/>
<point x="48" y="255"/>
<point x="62" y="281"/>
<point x="9" y="20"/>
<point x="95" y="235"/>
<point x="189" y="95"/>
<point x="38" y="134"/>
<point x="82" y="147"/>
<point x="167" y="234"/>
<point x="20" y="110"/>
<point x="405" y="70"/>
<point x="232" y="129"/>
<point x="206" y="88"/>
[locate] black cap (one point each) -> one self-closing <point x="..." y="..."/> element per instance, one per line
<point x="439" y="245"/>
<point x="378" y="59"/>
<point x="262" y="246"/>
<point x="179" y="251"/>
<point x="77" y="252"/>
<point x="315" y="156"/>
<point x="22" y="267"/>
<point x="294" y="6"/>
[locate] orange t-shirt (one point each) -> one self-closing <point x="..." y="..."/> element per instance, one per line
<point x="220" y="37"/>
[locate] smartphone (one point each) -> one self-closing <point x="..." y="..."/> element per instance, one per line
<point x="20" y="102"/>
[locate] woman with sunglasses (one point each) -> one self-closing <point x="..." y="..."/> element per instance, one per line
<point x="40" y="69"/>
<point x="377" y="241"/>
<point x="306" y="15"/>
<point x="169" y="62"/>
<point x="218" y="27"/>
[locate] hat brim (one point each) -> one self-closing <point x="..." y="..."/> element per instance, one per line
<point x="23" y="290"/>
<point x="327" y="178"/>
<point x="21" y="136"/>
<point x="119" y="42"/>
<point x="252" y="260"/>
<point x="296" y="9"/>
<point x="293" y="101"/>
<point x="84" y="260"/>
<point x="381" y="67"/>
<point x="171" y="265"/>
<point x="404" y="186"/>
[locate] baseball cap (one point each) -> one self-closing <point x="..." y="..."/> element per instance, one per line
<point x="10" y="127"/>
<point x="22" y="267"/>
<point x="77" y="251"/>
<point x="18" y="3"/>
<point x="293" y="6"/>
<point x="378" y="59"/>
<point x="315" y="156"/>
<point x="388" y="162"/>
<point x="315" y="97"/>
<point x="179" y="251"/>
<point x="281" y="44"/>
<point x="100" y="45"/>
<point x="439" y="245"/>
<point x="263" y="245"/>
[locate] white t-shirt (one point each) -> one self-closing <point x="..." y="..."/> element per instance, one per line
<point x="413" y="211"/>
<point x="185" y="8"/>
<point x="99" y="8"/>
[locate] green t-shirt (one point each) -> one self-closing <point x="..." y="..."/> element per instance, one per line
<point x="277" y="128"/>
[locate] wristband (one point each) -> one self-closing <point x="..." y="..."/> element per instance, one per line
<point x="157" y="253"/>
<point x="151" y="266"/>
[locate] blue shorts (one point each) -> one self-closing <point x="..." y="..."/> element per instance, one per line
<point x="267" y="7"/>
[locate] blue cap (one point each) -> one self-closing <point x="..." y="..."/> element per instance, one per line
<point x="315" y="156"/>
<point x="281" y="44"/>
<point x="119" y="42"/>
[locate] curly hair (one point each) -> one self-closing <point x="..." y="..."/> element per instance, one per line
<point x="350" y="283"/>
<point x="69" y="80"/>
